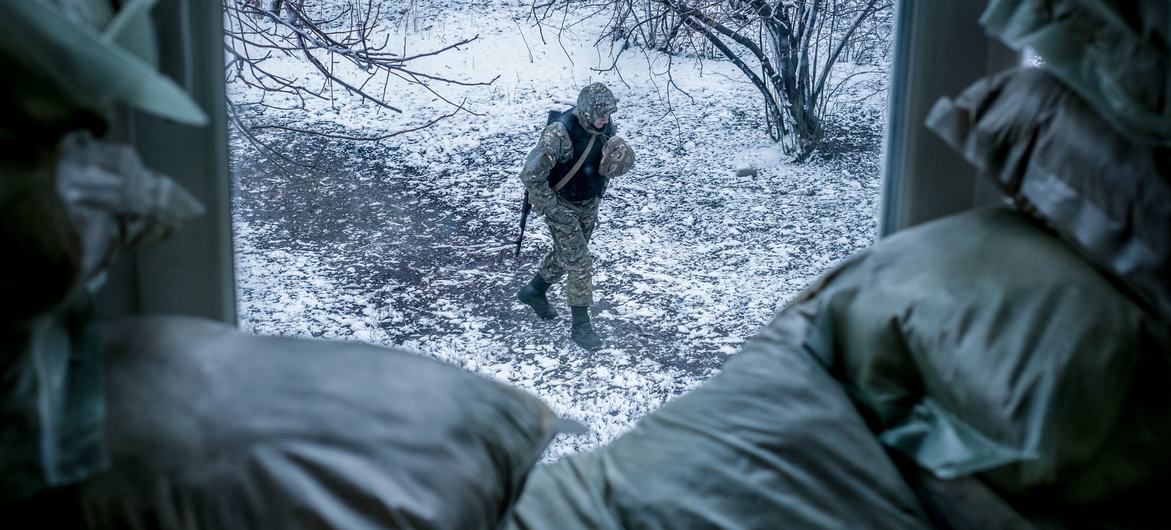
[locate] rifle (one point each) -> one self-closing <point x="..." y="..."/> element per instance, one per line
<point x="526" y="206"/>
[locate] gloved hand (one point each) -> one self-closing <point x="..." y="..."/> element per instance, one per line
<point x="617" y="158"/>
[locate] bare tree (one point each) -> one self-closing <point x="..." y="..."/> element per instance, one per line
<point x="788" y="49"/>
<point x="323" y="35"/>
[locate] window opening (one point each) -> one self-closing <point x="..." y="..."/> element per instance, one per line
<point x="375" y="150"/>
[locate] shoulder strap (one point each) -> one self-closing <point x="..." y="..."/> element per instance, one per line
<point x="580" y="160"/>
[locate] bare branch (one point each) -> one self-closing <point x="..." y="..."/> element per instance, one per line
<point x="327" y="41"/>
<point x="797" y="44"/>
<point x="841" y="44"/>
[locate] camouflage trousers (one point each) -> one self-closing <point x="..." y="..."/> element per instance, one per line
<point x="572" y="224"/>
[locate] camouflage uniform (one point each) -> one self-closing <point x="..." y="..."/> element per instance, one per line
<point x="572" y="222"/>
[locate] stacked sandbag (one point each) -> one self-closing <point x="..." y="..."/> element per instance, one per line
<point x="1055" y="155"/>
<point x="1044" y="376"/>
<point x="212" y="428"/>
<point x="68" y="203"/>
<point x="65" y="213"/>
<point x="1014" y="382"/>
<point x="983" y="345"/>
<point x="772" y="441"/>
<point x="1083" y="146"/>
<point x="1115" y="54"/>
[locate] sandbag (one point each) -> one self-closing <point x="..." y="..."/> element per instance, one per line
<point x="65" y="213"/>
<point x="1049" y="150"/>
<point x="981" y="344"/>
<point x="211" y="428"/>
<point x="770" y="442"/>
<point x="1111" y="52"/>
<point x="51" y="407"/>
<point x="67" y="60"/>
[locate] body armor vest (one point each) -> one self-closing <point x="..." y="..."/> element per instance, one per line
<point x="588" y="182"/>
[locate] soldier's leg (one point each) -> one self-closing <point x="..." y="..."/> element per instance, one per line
<point x="554" y="265"/>
<point x="533" y="294"/>
<point x="579" y="287"/>
<point x="566" y="256"/>
<point x="552" y="269"/>
<point x="589" y="219"/>
<point x="571" y="256"/>
<point x="574" y="252"/>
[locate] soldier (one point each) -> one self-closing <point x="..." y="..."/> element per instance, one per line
<point x="566" y="175"/>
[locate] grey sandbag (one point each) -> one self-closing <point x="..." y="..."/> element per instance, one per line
<point x="65" y="213"/>
<point x="982" y="344"/>
<point x="1049" y="150"/>
<point x="770" y="442"/>
<point x="51" y="407"/>
<point x="50" y="360"/>
<point x="114" y="201"/>
<point x="212" y="428"/>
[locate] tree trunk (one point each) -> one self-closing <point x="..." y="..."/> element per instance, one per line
<point x="795" y="64"/>
<point x="792" y="82"/>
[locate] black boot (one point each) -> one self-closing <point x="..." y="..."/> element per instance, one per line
<point x="583" y="332"/>
<point x="533" y="295"/>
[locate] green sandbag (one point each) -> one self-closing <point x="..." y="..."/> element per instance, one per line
<point x="984" y="344"/>
<point x="85" y="68"/>
<point x="771" y="442"/>
<point x="1112" y="52"/>
<point x="1049" y="150"/>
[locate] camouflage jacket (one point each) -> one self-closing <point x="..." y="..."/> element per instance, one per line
<point x="555" y="145"/>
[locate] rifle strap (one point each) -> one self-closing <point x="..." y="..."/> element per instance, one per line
<point x="581" y="160"/>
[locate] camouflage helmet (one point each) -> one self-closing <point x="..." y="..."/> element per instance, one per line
<point x="594" y="101"/>
<point x="617" y="158"/>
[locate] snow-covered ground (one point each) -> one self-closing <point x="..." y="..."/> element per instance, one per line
<point x="408" y="241"/>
